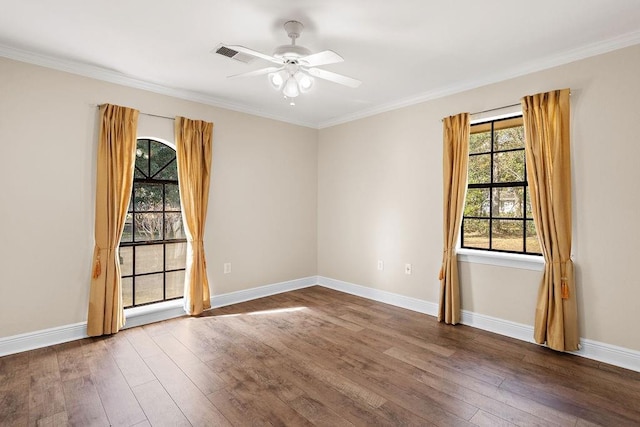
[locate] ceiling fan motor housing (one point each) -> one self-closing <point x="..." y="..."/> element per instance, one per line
<point x="289" y="51"/>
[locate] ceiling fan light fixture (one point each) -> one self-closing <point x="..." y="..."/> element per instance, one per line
<point x="277" y="79"/>
<point x="291" y="89"/>
<point x="305" y="81"/>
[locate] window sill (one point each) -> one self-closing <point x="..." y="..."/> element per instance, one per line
<point x="524" y="262"/>
<point x="153" y="308"/>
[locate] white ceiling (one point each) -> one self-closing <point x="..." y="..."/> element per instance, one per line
<point x="404" y="51"/>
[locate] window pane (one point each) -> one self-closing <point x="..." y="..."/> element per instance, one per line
<point x="149" y="288"/>
<point x="176" y="255"/>
<point x="476" y="233"/>
<point x="506" y="235"/>
<point x="480" y="169"/>
<point x="149" y="259"/>
<point x="142" y="159"/>
<point x="507" y="202"/>
<point x="147" y="197"/>
<point x="127" y="292"/>
<point x="175" y="284"/>
<point x="480" y="142"/>
<point x="148" y="227"/>
<point x="508" y="167"/>
<point x="477" y="202"/>
<point x="171" y="197"/>
<point x="174" y="228"/>
<point x="126" y="260"/>
<point x="161" y="155"/>
<point x="127" y="232"/>
<point x="508" y="138"/>
<point x="169" y="172"/>
<point x="137" y="174"/>
<point x="533" y="245"/>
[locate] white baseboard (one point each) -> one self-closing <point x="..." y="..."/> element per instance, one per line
<point x="141" y="316"/>
<point x="42" y="338"/>
<point x="262" y="291"/>
<point x="606" y="353"/>
<point x="499" y="326"/>
<point x="414" y="304"/>
<point x="602" y="352"/>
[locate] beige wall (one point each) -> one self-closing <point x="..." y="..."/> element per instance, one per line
<point x="262" y="211"/>
<point x="289" y="202"/>
<point x="380" y="186"/>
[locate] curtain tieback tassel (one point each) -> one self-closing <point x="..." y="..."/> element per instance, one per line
<point x="445" y="253"/>
<point x="564" y="286"/>
<point x="97" y="268"/>
<point x="564" y="289"/>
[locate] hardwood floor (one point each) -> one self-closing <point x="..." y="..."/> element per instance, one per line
<point x="311" y="357"/>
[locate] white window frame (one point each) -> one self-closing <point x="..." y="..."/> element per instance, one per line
<point x="479" y="256"/>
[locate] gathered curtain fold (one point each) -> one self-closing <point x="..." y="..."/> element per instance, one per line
<point x="456" y="130"/>
<point x="116" y="160"/>
<point x="193" y="152"/>
<point x="547" y="147"/>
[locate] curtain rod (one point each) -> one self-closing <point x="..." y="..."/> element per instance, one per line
<point x="494" y="109"/>
<point x="147" y="114"/>
<point x="499" y="108"/>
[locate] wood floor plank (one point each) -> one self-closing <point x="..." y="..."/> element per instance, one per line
<point x="14" y="390"/>
<point x="71" y="361"/>
<point x="133" y="368"/>
<point x="46" y="396"/>
<point x="158" y="406"/>
<point x="317" y="413"/>
<point x="199" y="373"/>
<point x="118" y="400"/>
<point x="237" y="410"/>
<point x="84" y="407"/>
<point x="141" y="342"/>
<point x="56" y="420"/>
<point x="485" y="419"/>
<point x="193" y="404"/>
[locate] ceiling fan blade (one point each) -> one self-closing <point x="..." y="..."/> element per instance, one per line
<point x="321" y="58"/>
<point x="256" y="54"/>
<point x="260" y="72"/>
<point x="333" y="77"/>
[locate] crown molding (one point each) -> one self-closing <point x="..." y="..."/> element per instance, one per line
<point x="566" y="57"/>
<point x="99" y="73"/>
<point x="103" y="74"/>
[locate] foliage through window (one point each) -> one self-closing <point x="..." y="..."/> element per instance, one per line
<point x="153" y="245"/>
<point x="497" y="212"/>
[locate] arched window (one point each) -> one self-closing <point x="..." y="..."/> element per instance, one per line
<point x="153" y="245"/>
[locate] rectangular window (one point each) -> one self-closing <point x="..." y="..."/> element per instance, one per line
<point x="497" y="212"/>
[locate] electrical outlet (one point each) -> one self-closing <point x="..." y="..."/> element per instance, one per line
<point x="227" y="267"/>
<point x="380" y="265"/>
<point x="407" y="269"/>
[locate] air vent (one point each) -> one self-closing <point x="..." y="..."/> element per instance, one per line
<point x="233" y="54"/>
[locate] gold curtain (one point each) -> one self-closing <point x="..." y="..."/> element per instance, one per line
<point x="546" y="122"/>
<point x="455" y="160"/>
<point x="116" y="160"/>
<point x="193" y="150"/>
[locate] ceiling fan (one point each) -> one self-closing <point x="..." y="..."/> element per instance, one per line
<point x="296" y="65"/>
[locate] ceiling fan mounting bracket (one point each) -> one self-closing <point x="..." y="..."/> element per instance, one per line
<point x="293" y="29"/>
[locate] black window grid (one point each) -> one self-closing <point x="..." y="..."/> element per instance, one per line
<point x="490" y="186"/>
